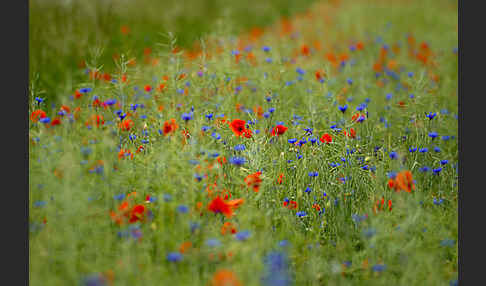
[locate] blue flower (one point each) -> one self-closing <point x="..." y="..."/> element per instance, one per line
<point x="216" y="135"/>
<point x="300" y="71"/>
<point x="238" y="161"/>
<point x="39" y="204"/>
<point x="445" y="137"/>
<point x="301" y="214"/>
<point x="437" y="171"/>
<point x="39" y="100"/>
<point x="431" y="115"/>
<point x="239" y="147"/>
<point x="119" y="197"/>
<point x="436" y="149"/>
<point x="433" y="135"/>
<point x="350" y="81"/>
<point x="271" y="110"/>
<point x="308" y="190"/>
<point x="174" y="257"/>
<point x="443" y="162"/>
<point x="45" y="120"/>
<point x="392" y="175"/>
<point x="313" y="174"/>
<point x="276" y="270"/>
<point x="424" y="169"/>
<point x="292" y="140"/>
<point x="343" y="108"/>
<point x="423" y="150"/>
<point x="410" y="74"/>
<point x="393" y="155"/>
<point x="242" y="235"/>
<point x="85" y="89"/>
<point x="182" y="209"/>
<point x="447" y="242"/>
<point x="438" y="202"/>
<point x="378" y="267"/>
<point x="186" y="116"/>
<point x="213" y="242"/>
<point x="266" y="49"/>
<point x="389" y="96"/>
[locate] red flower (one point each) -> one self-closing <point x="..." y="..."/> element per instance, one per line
<point x="137" y="213"/>
<point x="37" y="114"/>
<point x="326" y="138"/>
<point x="280" y="179"/>
<point x="147" y="88"/>
<point x="291" y="205"/>
<point x="238" y="127"/>
<point x="279" y="130"/>
<point x="56" y="121"/>
<point x="126" y="124"/>
<point x="170" y="127"/>
<point x="254" y="181"/>
<point x="218" y="205"/>
<point x="351" y="134"/>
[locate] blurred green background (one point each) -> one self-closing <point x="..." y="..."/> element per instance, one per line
<point x="62" y="33"/>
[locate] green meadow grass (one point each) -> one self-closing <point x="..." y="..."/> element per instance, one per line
<point x="79" y="239"/>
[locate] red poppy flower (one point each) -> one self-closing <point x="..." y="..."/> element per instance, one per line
<point x="304" y="49"/>
<point x="37" y="114"/>
<point x="126" y="124"/>
<point x="291" y="205"/>
<point x="137" y="213"/>
<point x="147" y="88"/>
<point x="326" y="138"/>
<point x="218" y="205"/>
<point x="170" y="126"/>
<point x="253" y="181"/>
<point x="56" y="121"/>
<point x="225" y="277"/>
<point x="279" y="130"/>
<point x="238" y="127"/>
<point x="280" y="179"/>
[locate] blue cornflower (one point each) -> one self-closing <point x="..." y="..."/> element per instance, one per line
<point x="334" y="164"/>
<point x="39" y="100"/>
<point x="45" y="120"/>
<point x="213" y="242"/>
<point x="392" y="175"/>
<point x="437" y="171"/>
<point x="369" y="232"/>
<point x="266" y="49"/>
<point x="110" y="102"/>
<point x="85" y="89"/>
<point x="447" y="242"/>
<point x="436" y="149"/>
<point x="308" y="190"/>
<point x="445" y="137"/>
<point x="313" y="140"/>
<point x="144" y="141"/>
<point x="424" y="169"/>
<point x="301" y="214"/>
<point x="411" y="96"/>
<point x="39" y="204"/>
<point x="378" y="267"/>
<point x="431" y="115"/>
<point x="313" y="174"/>
<point x="393" y="155"/>
<point x="268" y="60"/>
<point x="94" y="280"/>
<point x="239" y="147"/>
<point x="438" y="202"/>
<point x="300" y="71"/>
<point x="389" y="96"/>
<point x="423" y="150"/>
<point x="443" y="162"/>
<point x="186" y="116"/>
<point x="292" y="140"/>
<point x="198" y="177"/>
<point x="209" y="116"/>
<point x="205" y="128"/>
<point x="174" y="257"/>
<point x="412" y="149"/>
<point x="271" y="109"/>
<point x="343" y="108"/>
<point x="365" y="167"/>
<point x="410" y="74"/>
<point x="276" y="270"/>
<point x="238" y="161"/>
<point x="242" y="235"/>
<point x="119" y="197"/>
<point x="350" y="81"/>
<point x="433" y="135"/>
<point x="182" y="209"/>
<point x="216" y="135"/>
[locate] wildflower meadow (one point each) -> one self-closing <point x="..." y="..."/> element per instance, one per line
<point x="313" y="148"/>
